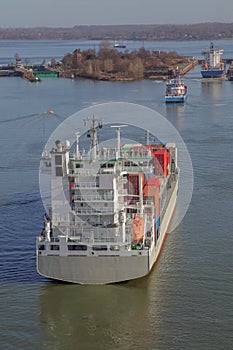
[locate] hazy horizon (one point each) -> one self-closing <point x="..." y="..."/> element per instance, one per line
<point x="69" y="13"/>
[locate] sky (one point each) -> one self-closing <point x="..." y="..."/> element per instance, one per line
<point x="68" y="13"/>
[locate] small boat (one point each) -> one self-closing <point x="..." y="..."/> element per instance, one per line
<point x="212" y="66"/>
<point x="230" y="72"/>
<point x="50" y="111"/>
<point x="176" y="91"/>
<point x="118" y="45"/>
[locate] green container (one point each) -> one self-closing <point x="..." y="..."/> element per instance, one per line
<point x="47" y="75"/>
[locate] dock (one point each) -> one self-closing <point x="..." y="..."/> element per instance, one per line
<point x="36" y="72"/>
<point x="32" y="72"/>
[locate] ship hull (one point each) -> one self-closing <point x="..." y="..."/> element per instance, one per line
<point x="217" y="73"/>
<point x="176" y="99"/>
<point x="93" y="269"/>
<point x="106" y="267"/>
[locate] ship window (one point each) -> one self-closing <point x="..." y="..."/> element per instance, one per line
<point x="59" y="171"/>
<point x="77" y="247"/>
<point x="99" y="247"/>
<point x="143" y="163"/>
<point x="115" y="247"/>
<point x="54" y="247"/>
<point x="107" y="165"/>
<point x="78" y="165"/>
<point x="58" y="159"/>
<point x="41" y="247"/>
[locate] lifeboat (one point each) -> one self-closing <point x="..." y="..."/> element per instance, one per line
<point x="137" y="230"/>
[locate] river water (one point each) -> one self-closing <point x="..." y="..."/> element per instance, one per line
<point x="186" y="301"/>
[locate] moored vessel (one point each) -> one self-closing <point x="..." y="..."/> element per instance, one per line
<point x="230" y="72"/>
<point x="212" y="66"/>
<point x="110" y="209"/>
<point x="176" y="91"/>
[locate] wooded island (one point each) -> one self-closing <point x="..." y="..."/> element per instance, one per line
<point x="111" y="64"/>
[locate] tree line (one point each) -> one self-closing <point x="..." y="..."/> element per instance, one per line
<point x="110" y="64"/>
<point x="199" y="31"/>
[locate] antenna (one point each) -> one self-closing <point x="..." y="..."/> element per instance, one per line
<point x="147" y="137"/>
<point x="77" y="143"/>
<point x="92" y="132"/>
<point x="118" y="130"/>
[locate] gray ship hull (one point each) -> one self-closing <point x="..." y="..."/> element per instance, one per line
<point x="105" y="267"/>
<point x="93" y="270"/>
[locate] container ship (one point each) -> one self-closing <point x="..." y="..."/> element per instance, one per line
<point x="212" y="66"/>
<point x="176" y="91"/>
<point x="110" y="222"/>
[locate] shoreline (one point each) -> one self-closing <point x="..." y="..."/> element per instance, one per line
<point x="106" y="65"/>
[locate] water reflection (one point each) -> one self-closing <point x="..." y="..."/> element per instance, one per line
<point x="94" y="317"/>
<point x="131" y="315"/>
<point x="175" y="114"/>
<point x="212" y="88"/>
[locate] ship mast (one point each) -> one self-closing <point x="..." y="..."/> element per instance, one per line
<point x="94" y="137"/>
<point x="118" y="130"/>
<point x="77" y="144"/>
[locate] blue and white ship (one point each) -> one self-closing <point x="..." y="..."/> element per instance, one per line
<point x="212" y="66"/>
<point x="176" y="91"/>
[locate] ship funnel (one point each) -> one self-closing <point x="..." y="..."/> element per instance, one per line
<point x="59" y="145"/>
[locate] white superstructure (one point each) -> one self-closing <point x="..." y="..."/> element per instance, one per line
<point x="212" y="56"/>
<point x="111" y="209"/>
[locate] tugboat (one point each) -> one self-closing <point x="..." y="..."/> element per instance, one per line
<point x="176" y="91"/>
<point x="213" y="66"/>
<point x="116" y="203"/>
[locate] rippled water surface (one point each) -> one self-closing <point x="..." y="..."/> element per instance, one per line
<point x="186" y="301"/>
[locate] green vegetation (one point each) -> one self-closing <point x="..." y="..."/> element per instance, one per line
<point x="110" y="64"/>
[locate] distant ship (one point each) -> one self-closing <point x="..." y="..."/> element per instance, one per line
<point x="230" y="72"/>
<point x="119" y="201"/>
<point x="213" y="66"/>
<point x="176" y="91"/>
<point x="119" y="45"/>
